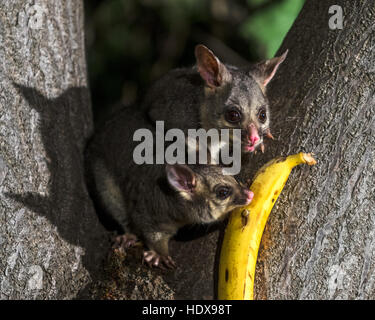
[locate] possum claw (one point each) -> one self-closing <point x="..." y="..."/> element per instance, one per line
<point x="262" y="147"/>
<point x="170" y="263"/>
<point x="269" y="135"/>
<point x="153" y="259"/>
<point x="124" y="241"/>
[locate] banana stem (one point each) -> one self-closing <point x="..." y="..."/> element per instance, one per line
<point x="299" y="158"/>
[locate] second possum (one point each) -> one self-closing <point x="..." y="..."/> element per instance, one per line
<point x="149" y="201"/>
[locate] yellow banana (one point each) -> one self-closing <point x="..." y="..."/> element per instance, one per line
<point x="245" y="228"/>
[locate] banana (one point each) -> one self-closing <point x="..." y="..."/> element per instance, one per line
<point x="245" y="228"/>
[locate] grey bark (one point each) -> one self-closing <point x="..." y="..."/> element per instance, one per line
<point x="319" y="241"/>
<point x="50" y="239"/>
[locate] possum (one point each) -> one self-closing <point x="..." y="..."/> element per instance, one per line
<point x="152" y="201"/>
<point x="212" y="94"/>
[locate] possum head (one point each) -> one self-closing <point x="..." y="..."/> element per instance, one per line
<point x="235" y="98"/>
<point x="207" y="193"/>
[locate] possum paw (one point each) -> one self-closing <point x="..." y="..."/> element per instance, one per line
<point x="154" y="259"/>
<point x="124" y="241"/>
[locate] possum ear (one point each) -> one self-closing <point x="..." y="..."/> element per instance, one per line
<point x="265" y="70"/>
<point x="212" y="71"/>
<point x="181" y="177"/>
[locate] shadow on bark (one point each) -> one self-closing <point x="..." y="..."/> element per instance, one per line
<point x="66" y="205"/>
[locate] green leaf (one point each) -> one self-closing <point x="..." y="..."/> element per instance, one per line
<point x="269" y="26"/>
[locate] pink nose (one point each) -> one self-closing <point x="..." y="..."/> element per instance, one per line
<point x="254" y="139"/>
<point x="254" y="136"/>
<point x="249" y="195"/>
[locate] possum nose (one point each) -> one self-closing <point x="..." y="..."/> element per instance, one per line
<point x="249" y="195"/>
<point x="254" y="135"/>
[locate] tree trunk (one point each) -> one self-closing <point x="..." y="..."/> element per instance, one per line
<point x="320" y="238"/>
<point x="50" y="238"/>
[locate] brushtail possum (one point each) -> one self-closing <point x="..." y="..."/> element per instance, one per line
<point x="151" y="202"/>
<point x="212" y="94"/>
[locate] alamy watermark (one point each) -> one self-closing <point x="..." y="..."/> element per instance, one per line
<point x="200" y="146"/>
<point x="336" y="20"/>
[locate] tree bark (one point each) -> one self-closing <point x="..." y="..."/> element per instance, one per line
<point x="320" y="238"/>
<point x="50" y="239"/>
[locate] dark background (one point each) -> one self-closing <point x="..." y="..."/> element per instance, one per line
<point x="131" y="43"/>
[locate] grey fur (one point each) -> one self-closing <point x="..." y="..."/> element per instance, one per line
<point x="139" y="197"/>
<point x="183" y="99"/>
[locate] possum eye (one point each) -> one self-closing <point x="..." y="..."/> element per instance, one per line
<point x="233" y="115"/>
<point x="223" y="192"/>
<point x="262" y="115"/>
